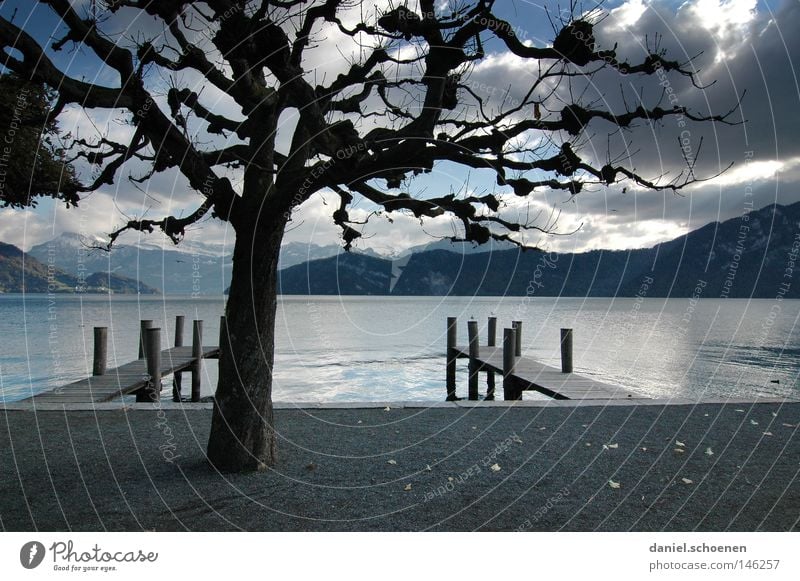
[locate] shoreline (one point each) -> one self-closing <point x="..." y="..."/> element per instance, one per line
<point x="135" y="467"/>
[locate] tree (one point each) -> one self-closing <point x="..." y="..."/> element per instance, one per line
<point x="32" y="164"/>
<point x="400" y="107"/>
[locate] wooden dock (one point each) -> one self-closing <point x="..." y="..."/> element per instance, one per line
<point x="521" y="373"/>
<point x="141" y="377"/>
<point x="124" y="380"/>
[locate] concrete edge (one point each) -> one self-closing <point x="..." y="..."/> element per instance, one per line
<point x="462" y="404"/>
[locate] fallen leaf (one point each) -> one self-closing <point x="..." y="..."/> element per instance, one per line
<point x="613" y="446"/>
<point x="679" y="443"/>
<point x="359" y="421"/>
<point x="495" y="467"/>
<point x="588" y="443"/>
<point x="613" y="484"/>
<point x="687" y="481"/>
<point x="449" y="478"/>
<point x="679" y="450"/>
<point x="709" y="451"/>
<point x="740" y="411"/>
<point x="774" y="414"/>
<point x="767" y="433"/>
<point x="644" y="449"/>
<point x="753" y="422"/>
<point x="474" y="427"/>
<point x="393" y="461"/>
<point x="387" y="408"/>
<point x="788" y="425"/>
<point x="705" y="415"/>
<point x="516" y="438"/>
<point x="543" y="428"/>
<point x="407" y="487"/>
<point x="428" y="467"/>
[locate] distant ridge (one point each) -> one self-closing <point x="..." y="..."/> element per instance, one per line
<point x="751" y="256"/>
<point x="22" y="273"/>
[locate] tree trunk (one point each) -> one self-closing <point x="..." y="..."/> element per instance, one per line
<point x="242" y="432"/>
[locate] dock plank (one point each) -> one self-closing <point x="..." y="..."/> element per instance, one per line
<point x="533" y="375"/>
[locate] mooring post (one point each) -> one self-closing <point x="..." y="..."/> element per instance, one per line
<point x="100" y="350"/>
<point x="509" y="346"/>
<point x="566" y="350"/>
<point x="197" y="356"/>
<point x="491" y="342"/>
<point x="152" y="352"/>
<point x="517" y="325"/>
<point x="144" y="324"/>
<point x="474" y="365"/>
<point x="224" y="341"/>
<point x="177" y="376"/>
<point x="450" y="378"/>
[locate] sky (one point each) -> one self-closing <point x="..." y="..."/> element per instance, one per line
<point x="744" y="46"/>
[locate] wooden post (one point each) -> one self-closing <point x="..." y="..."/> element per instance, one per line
<point x="518" y="345"/>
<point x="450" y="378"/>
<point x="474" y="352"/>
<point x="152" y="352"/>
<point x="491" y="342"/>
<point x="177" y="376"/>
<point x="144" y="324"/>
<point x="509" y="345"/>
<point x="197" y="355"/>
<point x="100" y="350"/>
<point x="492" y="335"/>
<point x="566" y="350"/>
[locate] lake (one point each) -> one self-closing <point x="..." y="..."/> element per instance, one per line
<point x="392" y="348"/>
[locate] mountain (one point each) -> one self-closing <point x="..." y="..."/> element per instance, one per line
<point x="21" y="272"/>
<point x="750" y="256"/>
<point x="195" y="269"/>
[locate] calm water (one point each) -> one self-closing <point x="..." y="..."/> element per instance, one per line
<point x="378" y="348"/>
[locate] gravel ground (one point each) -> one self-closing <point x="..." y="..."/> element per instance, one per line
<point x="709" y="467"/>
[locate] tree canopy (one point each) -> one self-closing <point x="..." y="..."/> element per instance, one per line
<point x="32" y="162"/>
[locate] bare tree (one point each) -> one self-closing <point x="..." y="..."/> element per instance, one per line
<point x="402" y="105"/>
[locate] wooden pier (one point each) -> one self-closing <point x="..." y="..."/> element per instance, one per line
<point x="521" y="373"/>
<point x="141" y="377"/>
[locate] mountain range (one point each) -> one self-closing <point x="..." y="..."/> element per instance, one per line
<point x="749" y="256"/>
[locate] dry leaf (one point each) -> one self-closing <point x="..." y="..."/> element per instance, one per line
<point x="679" y="443"/>
<point x="392" y="461"/>
<point x="387" y="408"/>
<point x="588" y="443"/>
<point x="705" y="415"/>
<point x="613" y="484"/>
<point x="774" y="414"/>
<point x="474" y="427"/>
<point x="543" y="428"/>
<point x="449" y="478"/>
<point x="644" y="449"/>
<point x="788" y="425"/>
<point x="407" y="487"/>
<point x="767" y="433"/>
<point x="687" y="481"/>
<point x="495" y="467"/>
<point x="516" y="438"/>
<point x="359" y="421"/>
<point x="753" y="422"/>
<point x="740" y="411"/>
<point x="709" y="451"/>
<point x="428" y="467"/>
<point x="679" y="450"/>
